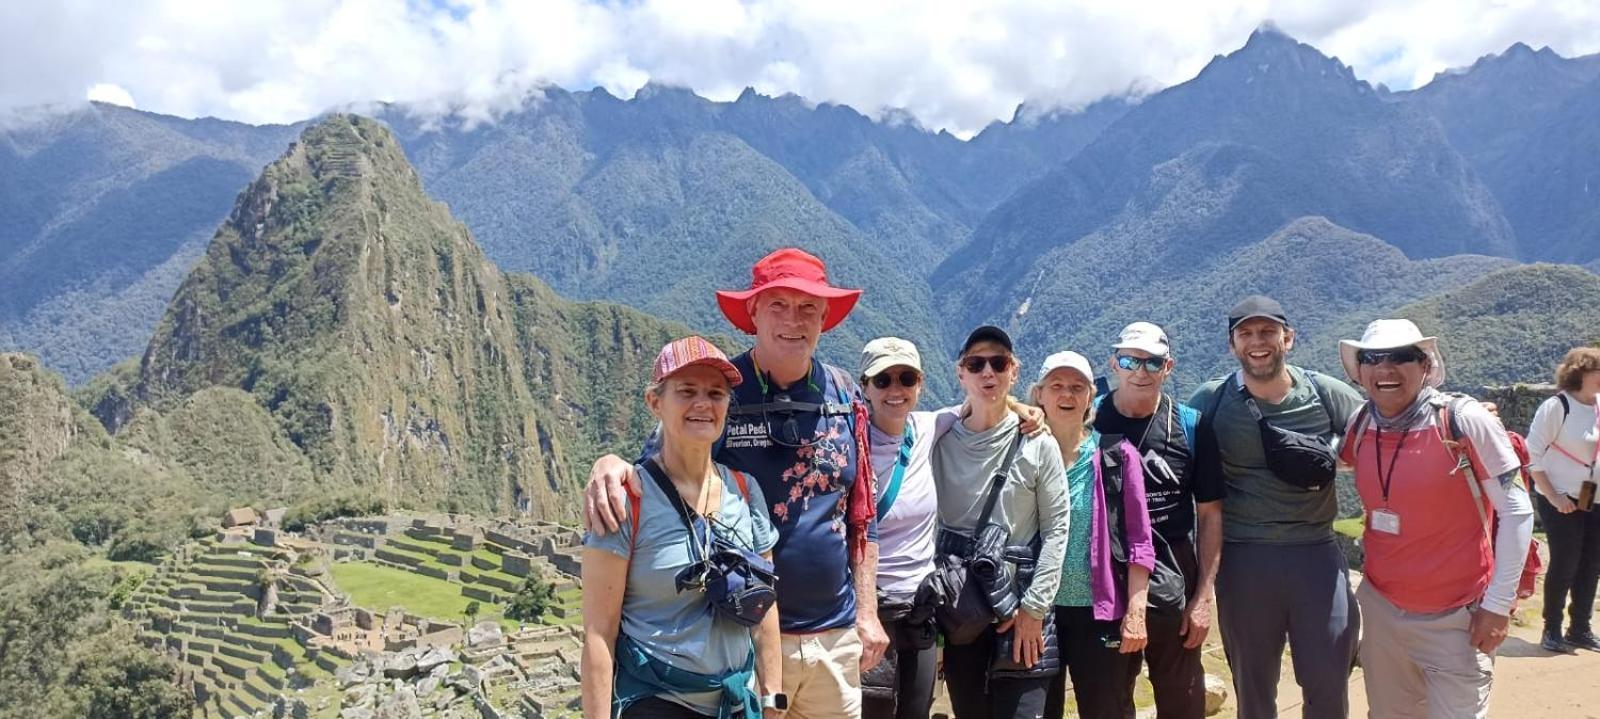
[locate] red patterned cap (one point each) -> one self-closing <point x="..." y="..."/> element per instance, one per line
<point x="688" y="352"/>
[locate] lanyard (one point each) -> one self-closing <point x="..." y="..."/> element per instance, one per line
<point x="761" y="377"/>
<point x="1385" y="480"/>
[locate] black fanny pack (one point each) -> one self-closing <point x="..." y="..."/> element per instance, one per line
<point x="1301" y="460"/>
<point x="740" y="584"/>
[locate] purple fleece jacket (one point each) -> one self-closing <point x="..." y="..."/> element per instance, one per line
<point x="1109" y="604"/>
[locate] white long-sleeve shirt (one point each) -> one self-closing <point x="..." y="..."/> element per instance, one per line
<point x="1576" y="435"/>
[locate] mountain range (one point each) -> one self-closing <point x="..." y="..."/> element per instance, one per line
<point x="342" y="336"/>
<point x="1060" y="225"/>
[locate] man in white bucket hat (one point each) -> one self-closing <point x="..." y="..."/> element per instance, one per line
<point x="1430" y="467"/>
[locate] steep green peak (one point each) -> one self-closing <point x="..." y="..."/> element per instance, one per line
<point x="351" y="147"/>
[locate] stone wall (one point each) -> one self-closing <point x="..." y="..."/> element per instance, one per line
<point x="516" y="564"/>
<point x="1517" y="403"/>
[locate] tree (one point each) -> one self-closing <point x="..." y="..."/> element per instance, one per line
<point x="532" y="599"/>
<point x="472" y="612"/>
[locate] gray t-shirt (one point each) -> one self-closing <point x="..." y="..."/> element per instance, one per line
<point x="1258" y="507"/>
<point x="682" y="629"/>
<point x="1033" y="502"/>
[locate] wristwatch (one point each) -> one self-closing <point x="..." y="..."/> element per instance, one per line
<point x="779" y="701"/>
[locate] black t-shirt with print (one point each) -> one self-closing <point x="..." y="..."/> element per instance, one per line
<point x="1165" y="441"/>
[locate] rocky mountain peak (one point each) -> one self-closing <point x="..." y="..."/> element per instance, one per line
<point x="1273" y="57"/>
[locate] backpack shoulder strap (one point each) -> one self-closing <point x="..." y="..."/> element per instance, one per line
<point x="1189" y="420"/>
<point x="743" y="484"/>
<point x="1358" y="428"/>
<point x="635" y="501"/>
<point x="1322" y="396"/>
<point x="1566" y="405"/>
<point x="1461" y="445"/>
<point x="1111" y="462"/>
<point x="1208" y="418"/>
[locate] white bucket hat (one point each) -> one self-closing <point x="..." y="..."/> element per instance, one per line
<point x="1389" y="335"/>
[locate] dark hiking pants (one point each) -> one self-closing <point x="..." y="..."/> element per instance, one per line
<point x="1268" y="593"/>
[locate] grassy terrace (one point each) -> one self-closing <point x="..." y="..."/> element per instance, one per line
<point x="378" y="587"/>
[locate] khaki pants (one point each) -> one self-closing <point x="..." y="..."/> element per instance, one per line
<point x="1421" y="665"/>
<point x="822" y="674"/>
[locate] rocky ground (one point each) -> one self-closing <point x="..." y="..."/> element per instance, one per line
<point x="1529" y="681"/>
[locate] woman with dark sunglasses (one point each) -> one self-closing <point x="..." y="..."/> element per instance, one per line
<point x="654" y="644"/>
<point x="1031" y="507"/>
<point x="901" y="687"/>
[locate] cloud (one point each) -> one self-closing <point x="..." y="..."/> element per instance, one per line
<point x="951" y="64"/>
<point x="108" y="93"/>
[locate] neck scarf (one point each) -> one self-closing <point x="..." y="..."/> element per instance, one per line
<point x="1410" y="417"/>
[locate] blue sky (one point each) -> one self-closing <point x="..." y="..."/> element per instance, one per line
<point x="952" y="64"/>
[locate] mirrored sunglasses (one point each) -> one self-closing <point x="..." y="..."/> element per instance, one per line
<point x="1130" y="363"/>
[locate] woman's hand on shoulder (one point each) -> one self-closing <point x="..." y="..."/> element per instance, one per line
<point x="1032" y="422"/>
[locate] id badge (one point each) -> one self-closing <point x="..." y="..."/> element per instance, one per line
<point x="1385" y="521"/>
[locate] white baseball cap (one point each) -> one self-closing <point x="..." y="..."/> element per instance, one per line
<point x="1146" y="337"/>
<point x="885" y="352"/>
<point x="1069" y="360"/>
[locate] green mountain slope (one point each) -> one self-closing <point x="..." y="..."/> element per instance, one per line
<point x="1511" y="325"/>
<point x="1525" y="119"/>
<point x="102" y="210"/>
<point x="1322" y="273"/>
<point x="383" y="343"/>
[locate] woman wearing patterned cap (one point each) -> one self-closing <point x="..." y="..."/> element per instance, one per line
<point x="654" y="647"/>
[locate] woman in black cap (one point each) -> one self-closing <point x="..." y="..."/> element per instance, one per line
<point x="1005" y="671"/>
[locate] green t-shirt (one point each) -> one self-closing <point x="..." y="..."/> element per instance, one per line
<point x="1077" y="588"/>
<point x="1258" y="507"/>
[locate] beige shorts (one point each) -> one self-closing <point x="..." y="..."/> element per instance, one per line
<point x="1421" y="665"/>
<point x="822" y="674"/>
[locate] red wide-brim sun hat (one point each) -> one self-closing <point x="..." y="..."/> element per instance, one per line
<point x="788" y="268"/>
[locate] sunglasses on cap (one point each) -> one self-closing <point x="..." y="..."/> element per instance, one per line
<point x="975" y="363"/>
<point x="1130" y="363"/>
<point x="906" y="378"/>
<point x="1404" y="355"/>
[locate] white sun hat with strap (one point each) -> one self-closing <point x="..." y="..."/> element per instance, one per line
<point x="1390" y="335"/>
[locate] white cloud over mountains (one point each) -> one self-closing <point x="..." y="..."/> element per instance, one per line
<point x="951" y="64"/>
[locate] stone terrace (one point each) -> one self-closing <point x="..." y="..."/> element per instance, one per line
<point x="201" y="605"/>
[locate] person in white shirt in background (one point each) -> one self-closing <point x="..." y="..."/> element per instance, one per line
<point x="1562" y="447"/>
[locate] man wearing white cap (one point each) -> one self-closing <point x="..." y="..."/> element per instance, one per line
<point x="1185" y="515"/>
<point x="1269" y="432"/>
<point x="1430" y="467"/>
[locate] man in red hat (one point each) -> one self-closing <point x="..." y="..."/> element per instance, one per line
<point x="800" y="429"/>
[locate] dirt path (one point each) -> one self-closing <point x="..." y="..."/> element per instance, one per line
<point x="1529" y="682"/>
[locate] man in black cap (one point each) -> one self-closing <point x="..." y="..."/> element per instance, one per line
<point x="1282" y="574"/>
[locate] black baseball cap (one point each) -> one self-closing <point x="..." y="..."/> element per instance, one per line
<point x="1256" y="306"/>
<point x="987" y="333"/>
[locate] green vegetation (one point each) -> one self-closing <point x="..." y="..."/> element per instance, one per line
<point x="1514" y="324"/>
<point x="62" y="653"/>
<point x="379" y="587"/>
<point x="532" y="600"/>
